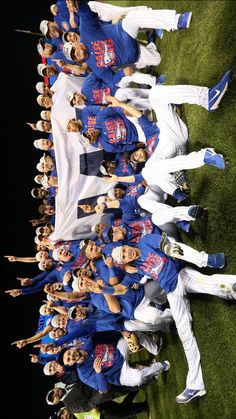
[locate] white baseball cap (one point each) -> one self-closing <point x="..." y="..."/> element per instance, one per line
<point x="117" y="254"/>
<point x="39" y="166"/>
<point x="75" y="285"/>
<point x="44" y="27"/>
<point x="44" y="182"/>
<point x="40" y="68"/>
<point x="39" y="99"/>
<point x="46" y="368"/>
<point x="101" y="200"/>
<point x="40" y="87"/>
<point x="40" y="49"/>
<point x="70" y="97"/>
<point x="111" y="194"/>
<point x="55" y="253"/>
<point x="36" y="240"/>
<point x="70" y="312"/>
<point x="93" y="228"/>
<point x="43" y="116"/>
<point x="42" y="310"/>
<point x="39" y="125"/>
<point x="102" y="169"/>
<point x="51" y="334"/>
<point x="67" y="50"/>
<point x="54" y="321"/>
<point x="40" y="266"/>
<point x="37" y="145"/>
<point x="84" y="141"/>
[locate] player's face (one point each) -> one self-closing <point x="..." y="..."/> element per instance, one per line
<point x="47" y="264"/>
<point x="92" y="135"/>
<point x="111" y="166"/>
<point x="86" y="284"/>
<point x="71" y="357"/>
<point x="45" y="144"/>
<point x="86" y="208"/>
<point x="57" y="394"/>
<point x="65" y="414"/>
<point x="53" y="31"/>
<point x="128" y="254"/>
<point x="82" y="273"/>
<point x="62" y="321"/>
<point x="48" y="50"/>
<point x="93" y="251"/>
<point x="46" y="102"/>
<point x="64" y="255"/>
<point x="119" y="193"/>
<point x="46" y="125"/>
<point x="50" y="71"/>
<point x="119" y="233"/>
<point x="73" y="126"/>
<point x="80" y="51"/>
<point x="58" y="332"/>
<point x="78" y="99"/>
<point x="140" y="156"/>
<point x="72" y="37"/>
<point x="47" y="115"/>
<point x="80" y="313"/>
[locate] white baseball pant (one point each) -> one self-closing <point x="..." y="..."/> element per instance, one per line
<point x="131" y="376"/>
<point x="162" y="213"/>
<point x="147" y="342"/>
<point x="136" y="97"/>
<point x="139" y="78"/>
<point x="107" y="12"/>
<point x="173" y="131"/>
<point x="191" y="281"/>
<point x="157" y="171"/>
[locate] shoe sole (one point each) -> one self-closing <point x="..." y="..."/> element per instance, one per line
<point x="200" y="394"/>
<point x="189" y="20"/>
<point x="228" y="289"/>
<point x="217" y="102"/>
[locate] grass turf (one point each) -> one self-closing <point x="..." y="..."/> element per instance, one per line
<point x="200" y="56"/>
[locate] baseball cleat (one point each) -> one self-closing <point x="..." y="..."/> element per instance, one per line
<point x="161" y="79"/>
<point x="159" y="33"/>
<point x="179" y="195"/>
<point x="184" y="225"/>
<point x="214" y="159"/>
<point x="229" y="289"/>
<point x="216" y="93"/>
<point x="216" y="260"/>
<point x="188" y="395"/>
<point x="184" y="20"/>
<point x="196" y="211"/>
<point x="165" y="365"/>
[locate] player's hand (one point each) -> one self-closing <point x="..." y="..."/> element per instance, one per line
<point x="20" y="343"/>
<point x="25" y="282"/>
<point x="108" y="261"/>
<point x="173" y="250"/>
<point x="14" y="293"/>
<point x="66" y="277"/>
<point x="11" y="258"/>
<point x="32" y="125"/>
<point x="113" y="101"/>
<point x="61" y="63"/>
<point x="93" y="266"/>
<point x="128" y="71"/>
<point x="45" y="347"/>
<point x="99" y="208"/>
<point x="110" y="179"/>
<point x="131" y="269"/>
<point x="97" y="365"/>
<point x="34" y="358"/>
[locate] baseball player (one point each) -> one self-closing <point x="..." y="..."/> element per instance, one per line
<point x="104" y="359"/>
<point x="149" y="257"/>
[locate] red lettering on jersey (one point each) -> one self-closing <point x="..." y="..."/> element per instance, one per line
<point x="106" y="352"/>
<point x="99" y="95"/>
<point x="153" y="265"/>
<point x="104" y="53"/>
<point x="116" y="130"/>
<point x="91" y="121"/>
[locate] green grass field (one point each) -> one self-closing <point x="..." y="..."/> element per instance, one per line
<point x="200" y="56"/>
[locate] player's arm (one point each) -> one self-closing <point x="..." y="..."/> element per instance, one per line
<point x="132" y="111"/>
<point x="23" y="342"/>
<point x="113" y="303"/>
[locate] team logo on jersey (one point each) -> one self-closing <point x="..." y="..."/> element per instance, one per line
<point x="140" y="229"/>
<point x="91" y="121"/>
<point x="116" y="130"/>
<point x="81" y="261"/>
<point x="151" y="144"/>
<point x="99" y="95"/>
<point x="65" y="25"/>
<point x="153" y="265"/>
<point x="133" y="189"/>
<point x="104" y="53"/>
<point x="106" y="352"/>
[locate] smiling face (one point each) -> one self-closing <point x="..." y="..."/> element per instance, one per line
<point x="139" y="156"/>
<point x="129" y="254"/>
<point x="93" y="251"/>
<point x="118" y="233"/>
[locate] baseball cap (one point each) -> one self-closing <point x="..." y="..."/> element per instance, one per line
<point x="117" y="254"/>
<point x="111" y="194"/>
<point x="46" y="368"/>
<point x="101" y="200"/>
<point x="39" y="166"/>
<point x="55" y="254"/>
<point x="84" y="141"/>
<point x="33" y="192"/>
<point x="36" y="240"/>
<point x="40" y="47"/>
<point x="105" y="234"/>
<point x="48" y="397"/>
<point x="44" y="27"/>
<point x="39" y="99"/>
<point x="102" y="168"/>
<point x="70" y="312"/>
<point x="40" y="87"/>
<point x="39" y="125"/>
<point x="93" y="228"/>
<point x="40" y="68"/>
<point x="44" y="181"/>
<point x="42" y="310"/>
<point x="70" y="97"/>
<point x="42" y="114"/>
<point x="67" y="50"/>
<point x="40" y="266"/>
<point x="54" y="321"/>
<point x="37" y="145"/>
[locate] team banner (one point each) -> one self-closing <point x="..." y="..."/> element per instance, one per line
<point x="79" y="180"/>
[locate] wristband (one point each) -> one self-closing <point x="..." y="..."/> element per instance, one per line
<point x="108" y="290"/>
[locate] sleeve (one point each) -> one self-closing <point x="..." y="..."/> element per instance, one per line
<point x="37" y="287"/>
<point x="130" y="279"/>
<point x="152" y="240"/>
<point x="118" y="148"/>
<point x="138" y="178"/>
<point x="40" y="276"/>
<point x="76" y="333"/>
<point x="107" y="75"/>
<point x="101" y="382"/>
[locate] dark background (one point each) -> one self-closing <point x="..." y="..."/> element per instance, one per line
<point x="24" y="383"/>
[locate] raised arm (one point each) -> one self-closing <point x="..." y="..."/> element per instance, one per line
<point x="23" y="342"/>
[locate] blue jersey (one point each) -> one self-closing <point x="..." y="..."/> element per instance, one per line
<point x="155" y="264"/>
<point x="128" y="302"/>
<point x="138" y="228"/>
<point x="131" y="210"/>
<point x="104" y="346"/>
<point x="96" y="89"/>
<point x="55" y="275"/>
<point x="123" y="167"/>
<point x="108" y="45"/>
<point x="97" y="321"/>
<point x="88" y="116"/>
<point x="151" y="132"/>
<point x="118" y="134"/>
